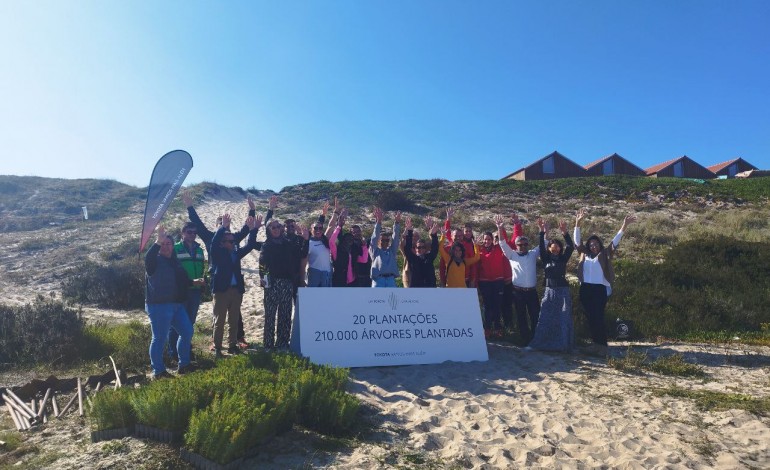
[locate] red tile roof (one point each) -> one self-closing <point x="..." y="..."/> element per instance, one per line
<point x="601" y="160"/>
<point x="720" y="166"/>
<point x="654" y="169"/>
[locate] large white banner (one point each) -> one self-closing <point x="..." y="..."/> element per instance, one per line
<point x="359" y="327"/>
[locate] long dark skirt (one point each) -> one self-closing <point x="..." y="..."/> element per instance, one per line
<point x="555" y="331"/>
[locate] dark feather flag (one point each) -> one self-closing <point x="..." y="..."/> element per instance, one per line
<point x="166" y="179"/>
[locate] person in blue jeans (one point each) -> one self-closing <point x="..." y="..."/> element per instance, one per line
<point x="166" y="290"/>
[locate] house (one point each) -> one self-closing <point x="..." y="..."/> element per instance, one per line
<point x="682" y="167"/>
<point x="613" y="165"/>
<point x="732" y="167"/>
<point x="552" y="166"/>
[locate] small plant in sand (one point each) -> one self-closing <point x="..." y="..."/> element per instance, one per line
<point x="635" y="362"/>
<point x="709" y="400"/>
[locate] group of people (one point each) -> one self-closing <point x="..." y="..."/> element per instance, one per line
<point x="504" y="270"/>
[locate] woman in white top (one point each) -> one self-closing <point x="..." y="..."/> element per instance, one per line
<point x="596" y="276"/>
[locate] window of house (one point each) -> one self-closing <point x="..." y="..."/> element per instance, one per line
<point x="608" y="167"/>
<point x="732" y="170"/>
<point x="548" y="167"/>
<point x="678" y="169"/>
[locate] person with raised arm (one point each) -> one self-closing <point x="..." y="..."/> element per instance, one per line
<point x="555" y="329"/>
<point x="319" y="268"/>
<point x="166" y="289"/>
<point x="523" y="263"/>
<point x="345" y="255"/>
<point x="206" y="235"/>
<point x="383" y="251"/>
<point x="360" y="250"/>
<point x="451" y="236"/>
<point x="456" y="261"/>
<point x="420" y="260"/>
<point x="596" y="276"/>
<point x="227" y="282"/>
<point x="278" y="263"/>
<point x="491" y="276"/>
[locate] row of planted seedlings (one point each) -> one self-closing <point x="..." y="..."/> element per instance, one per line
<point x="225" y="413"/>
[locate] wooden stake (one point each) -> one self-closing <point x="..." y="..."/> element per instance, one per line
<point x="19" y="401"/>
<point x="98" y="386"/>
<point x="55" y="406"/>
<point x="117" y="376"/>
<point x="67" y="406"/>
<point x="80" y="397"/>
<point x="15" y="418"/>
<point x="43" y="403"/>
<point x="33" y="406"/>
<point x="22" y="412"/>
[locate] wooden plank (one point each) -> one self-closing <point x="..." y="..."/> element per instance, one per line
<point x="43" y="403"/>
<point x="117" y="376"/>
<point x="19" y="401"/>
<point x="80" y="397"/>
<point x="21" y="410"/>
<point x="16" y="419"/>
<point x="55" y="406"/>
<point x="68" y="405"/>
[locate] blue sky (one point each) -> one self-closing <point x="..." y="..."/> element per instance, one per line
<point x="270" y="94"/>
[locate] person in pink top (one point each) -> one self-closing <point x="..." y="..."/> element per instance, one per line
<point x="344" y="275"/>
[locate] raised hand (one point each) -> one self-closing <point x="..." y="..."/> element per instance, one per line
<point x="226" y="219"/>
<point x="378" y="215"/>
<point x="629" y="219"/>
<point x="515" y="218"/>
<point x="408" y="224"/>
<point x="581" y="214"/>
<point x="257" y="221"/>
<point x="161" y="233"/>
<point x="336" y="205"/>
<point x="325" y="208"/>
<point x="541" y="223"/>
<point x="563" y="226"/>
<point x="398" y="217"/>
<point x="305" y="231"/>
<point x="449" y="213"/>
<point x="434" y="228"/>
<point x="250" y="202"/>
<point x="273" y="203"/>
<point x="250" y="222"/>
<point x="498" y="220"/>
<point x="428" y="220"/>
<point x="186" y="198"/>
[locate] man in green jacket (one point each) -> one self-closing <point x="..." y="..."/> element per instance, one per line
<point x="190" y="256"/>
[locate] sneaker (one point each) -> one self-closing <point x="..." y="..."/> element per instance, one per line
<point x="233" y="350"/>
<point x="243" y="344"/>
<point x="162" y="375"/>
<point x="181" y="370"/>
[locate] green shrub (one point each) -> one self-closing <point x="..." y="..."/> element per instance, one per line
<point x="708" y="284"/>
<point x="168" y="404"/>
<point x="390" y="200"/>
<point x="112" y="409"/>
<point x="127" y="343"/>
<point x="118" y="284"/>
<point x="45" y="331"/>
<point x="228" y="428"/>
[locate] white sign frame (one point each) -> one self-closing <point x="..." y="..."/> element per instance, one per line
<point x="363" y="327"/>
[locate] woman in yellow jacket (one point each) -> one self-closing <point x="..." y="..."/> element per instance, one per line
<point x="456" y="262"/>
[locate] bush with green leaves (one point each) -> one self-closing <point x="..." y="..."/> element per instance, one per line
<point x="45" y="331"/>
<point x="710" y="284"/>
<point x="117" y="284"/>
<point x="168" y="404"/>
<point x="127" y="343"/>
<point x="112" y="409"/>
